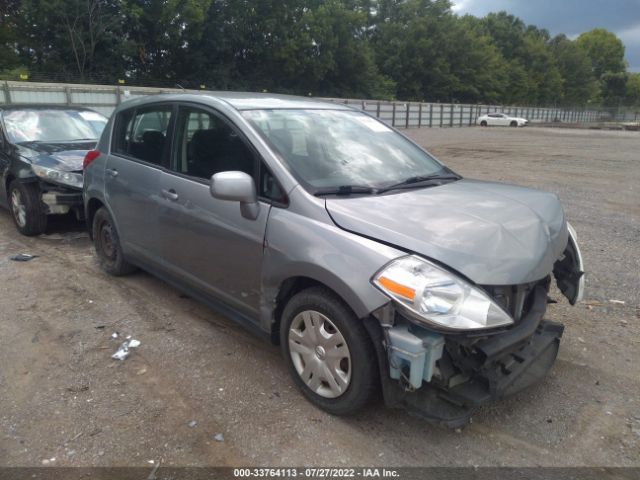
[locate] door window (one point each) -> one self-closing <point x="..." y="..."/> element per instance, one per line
<point x="142" y="133"/>
<point x="206" y="144"/>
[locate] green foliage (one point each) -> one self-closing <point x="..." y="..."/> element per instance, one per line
<point x="405" y="49"/>
<point x="604" y="49"/>
<point x="633" y="90"/>
<point x="579" y="83"/>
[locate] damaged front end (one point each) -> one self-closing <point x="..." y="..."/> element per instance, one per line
<point x="447" y="347"/>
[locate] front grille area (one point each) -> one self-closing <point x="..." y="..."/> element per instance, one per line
<point x="515" y="299"/>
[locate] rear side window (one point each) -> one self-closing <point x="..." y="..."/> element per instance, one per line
<point x="142" y="133"/>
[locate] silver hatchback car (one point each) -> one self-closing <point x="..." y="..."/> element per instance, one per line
<point x="371" y="264"/>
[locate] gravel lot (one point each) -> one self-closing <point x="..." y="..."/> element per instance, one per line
<point x="197" y="374"/>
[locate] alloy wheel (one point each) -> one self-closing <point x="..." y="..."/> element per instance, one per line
<point x="18" y="207"/>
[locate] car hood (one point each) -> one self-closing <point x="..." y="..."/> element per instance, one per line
<point x="62" y="156"/>
<point x="492" y="233"/>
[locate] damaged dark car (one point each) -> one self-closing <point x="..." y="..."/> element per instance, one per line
<point x="41" y="154"/>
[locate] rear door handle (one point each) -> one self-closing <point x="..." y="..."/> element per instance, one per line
<point x="112" y="172"/>
<point x="170" y="194"/>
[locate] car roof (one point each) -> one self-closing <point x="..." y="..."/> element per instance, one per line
<point x="243" y="100"/>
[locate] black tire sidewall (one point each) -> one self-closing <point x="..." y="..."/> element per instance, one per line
<point x="114" y="266"/>
<point x="483" y="123"/>
<point x="36" y="216"/>
<point x="364" y="368"/>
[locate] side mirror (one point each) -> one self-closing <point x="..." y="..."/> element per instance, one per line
<point x="236" y="187"/>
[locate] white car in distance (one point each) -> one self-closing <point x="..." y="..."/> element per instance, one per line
<point x="501" y="120"/>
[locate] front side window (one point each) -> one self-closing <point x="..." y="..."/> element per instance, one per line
<point x="206" y="144"/>
<point x="52" y="125"/>
<point x="142" y="133"/>
<point x="333" y="148"/>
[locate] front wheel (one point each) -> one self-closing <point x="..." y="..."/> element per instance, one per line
<point x="514" y="123"/>
<point x="328" y="351"/>
<point x="27" y="210"/>
<point x="483" y="123"/>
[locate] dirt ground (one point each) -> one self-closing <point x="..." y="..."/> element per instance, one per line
<point x="65" y="402"/>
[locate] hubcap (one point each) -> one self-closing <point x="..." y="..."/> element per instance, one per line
<point x="320" y="354"/>
<point x="18" y="207"/>
<point x="106" y="241"/>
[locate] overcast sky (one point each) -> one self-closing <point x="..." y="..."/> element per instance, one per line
<point x="570" y="17"/>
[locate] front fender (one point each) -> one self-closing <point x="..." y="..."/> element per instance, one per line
<point x="299" y="246"/>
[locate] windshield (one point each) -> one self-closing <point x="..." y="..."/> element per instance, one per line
<point x="336" y="148"/>
<point x="54" y="125"/>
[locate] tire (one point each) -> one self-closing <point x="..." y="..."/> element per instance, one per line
<point x="27" y="210"/>
<point x="483" y="123"/>
<point x="107" y="245"/>
<point x="514" y="123"/>
<point x="342" y="370"/>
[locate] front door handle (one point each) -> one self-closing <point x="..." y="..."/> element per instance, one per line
<point x="112" y="172"/>
<point x="170" y="194"/>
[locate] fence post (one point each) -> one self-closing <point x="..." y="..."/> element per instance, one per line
<point x="430" y="115"/>
<point x="378" y="110"/>
<point x="67" y="94"/>
<point x="7" y="93"/>
<point x="406" y="117"/>
<point x="471" y="114"/>
<point x="451" y="115"/>
<point x="441" y="114"/>
<point x="117" y="95"/>
<point x="393" y="116"/>
<point x="420" y="115"/>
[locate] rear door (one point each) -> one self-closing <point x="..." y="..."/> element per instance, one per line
<point x="208" y="243"/>
<point x="133" y="176"/>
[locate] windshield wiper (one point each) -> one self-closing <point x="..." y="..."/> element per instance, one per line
<point x="344" y="190"/>
<point x="419" y="180"/>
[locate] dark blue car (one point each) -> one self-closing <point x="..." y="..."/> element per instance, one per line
<point x="41" y="154"/>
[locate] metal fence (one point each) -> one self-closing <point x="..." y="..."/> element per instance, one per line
<point x="413" y="114"/>
<point x="104" y="98"/>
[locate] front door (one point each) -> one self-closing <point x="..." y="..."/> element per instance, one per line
<point x="207" y="242"/>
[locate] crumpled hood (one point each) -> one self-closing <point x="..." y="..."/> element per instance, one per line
<point x="66" y="157"/>
<point x="493" y="233"/>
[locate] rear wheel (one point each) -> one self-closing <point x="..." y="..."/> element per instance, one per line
<point x="328" y="351"/>
<point x="27" y="209"/>
<point x="483" y="123"/>
<point x="107" y="245"/>
<point x="514" y="123"/>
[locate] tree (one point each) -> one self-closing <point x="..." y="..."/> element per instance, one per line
<point x="8" y="55"/>
<point x="579" y="86"/>
<point x="633" y="90"/>
<point x="604" y="49"/>
<point x="74" y="38"/>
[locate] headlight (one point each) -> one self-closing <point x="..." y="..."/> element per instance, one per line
<point x="435" y="296"/>
<point x="58" y="176"/>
